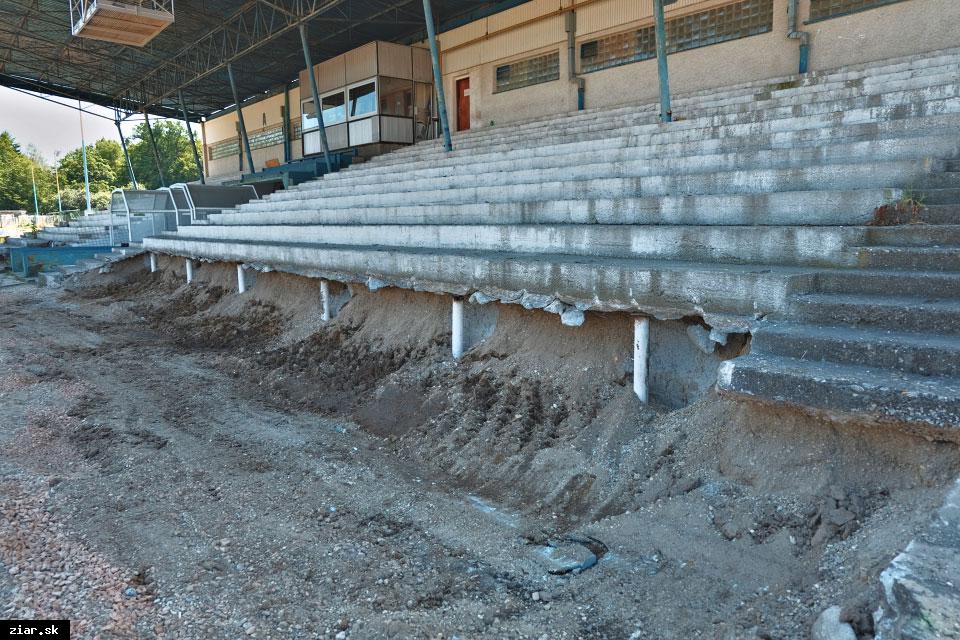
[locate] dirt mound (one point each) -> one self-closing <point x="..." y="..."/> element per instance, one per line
<point x="541" y="419"/>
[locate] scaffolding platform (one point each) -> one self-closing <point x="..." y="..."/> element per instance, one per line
<point x="129" y="22"/>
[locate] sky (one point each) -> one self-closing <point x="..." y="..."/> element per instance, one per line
<point x="52" y="128"/>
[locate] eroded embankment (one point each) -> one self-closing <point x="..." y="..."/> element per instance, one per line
<point x="542" y="418"/>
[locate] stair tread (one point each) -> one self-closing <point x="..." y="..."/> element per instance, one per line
<point x="854" y="375"/>
<point x="842" y="333"/>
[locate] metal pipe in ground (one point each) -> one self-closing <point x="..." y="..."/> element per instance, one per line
<point x="153" y="263"/>
<point x="325" y="301"/>
<point x="189" y="264"/>
<point x="641" y="351"/>
<point x="241" y="279"/>
<point x="456" y="328"/>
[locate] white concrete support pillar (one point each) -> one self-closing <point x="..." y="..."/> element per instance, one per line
<point x="153" y="263"/>
<point x="456" y="328"/>
<point x="325" y="300"/>
<point x="641" y="351"/>
<point x="241" y="279"/>
<point x="189" y="270"/>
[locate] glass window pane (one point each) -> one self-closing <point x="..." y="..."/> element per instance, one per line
<point x="308" y="115"/>
<point x="334" y="108"/>
<point x="396" y="97"/>
<point x="721" y="24"/>
<point x="525" y="73"/>
<point x="363" y="100"/>
<point x="423" y="129"/>
<point x="823" y="9"/>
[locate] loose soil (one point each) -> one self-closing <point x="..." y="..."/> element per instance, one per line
<point x="185" y="462"/>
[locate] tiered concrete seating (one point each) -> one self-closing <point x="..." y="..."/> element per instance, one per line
<point x="92" y="230"/>
<point x="754" y="211"/>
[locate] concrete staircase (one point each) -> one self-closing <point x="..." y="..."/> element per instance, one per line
<point x="756" y="211"/>
<point x="87" y="231"/>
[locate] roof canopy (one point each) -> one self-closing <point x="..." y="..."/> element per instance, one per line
<point x="259" y="37"/>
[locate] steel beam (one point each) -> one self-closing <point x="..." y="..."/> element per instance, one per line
<point x="193" y="144"/>
<point x="156" y="151"/>
<point x="666" y="113"/>
<point x="243" y="128"/>
<point x="126" y="154"/>
<point x="316" y="97"/>
<point x="437" y="75"/>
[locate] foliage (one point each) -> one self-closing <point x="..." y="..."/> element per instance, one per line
<point x="106" y="166"/>
<point x="176" y="158"/>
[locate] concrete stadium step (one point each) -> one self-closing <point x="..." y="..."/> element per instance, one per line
<point x="940" y="214"/>
<point x="737" y="103"/>
<point x="877" y="136"/>
<point x="888" y="106"/>
<point x="902" y="173"/>
<point x="884" y="281"/>
<point x="942" y="202"/>
<point x="935" y="315"/>
<point x="689" y="131"/>
<point x="883" y="394"/>
<point x="916" y="354"/>
<point x="742" y="103"/>
<point x="625" y="162"/>
<point x="880" y="77"/>
<point x="854" y="207"/>
<point x="923" y="235"/>
<point x="942" y="258"/>
<point x="621" y="161"/>
<point x="593" y="282"/>
<point x="801" y="245"/>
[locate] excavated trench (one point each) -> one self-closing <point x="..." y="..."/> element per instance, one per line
<point x="540" y="420"/>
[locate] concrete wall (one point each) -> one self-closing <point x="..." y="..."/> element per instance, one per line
<point x="475" y="50"/>
<point x="536" y="27"/>
<point x="900" y="29"/>
<point x="258" y="115"/>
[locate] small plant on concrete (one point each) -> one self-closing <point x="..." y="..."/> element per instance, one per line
<point x="904" y="210"/>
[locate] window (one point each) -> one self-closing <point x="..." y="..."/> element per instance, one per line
<point x="363" y="100"/>
<point x="525" y="73"/>
<point x="824" y="9"/>
<point x="396" y="97"/>
<point x="728" y="22"/>
<point x="334" y="108"/>
<point x="308" y="115"/>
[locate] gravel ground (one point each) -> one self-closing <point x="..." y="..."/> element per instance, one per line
<point x="153" y="487"/>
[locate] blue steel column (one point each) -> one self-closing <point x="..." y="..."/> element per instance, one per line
<point x="156" y="151"/>
<point x="666" y="113"/>
<point x="286" y="123"/>
<point x="126" y="154"/>
<point x="193" y="144"/>
<point x="437" y="77"/>
<point x="316" y="97"/>
<point x="243" y="128"/>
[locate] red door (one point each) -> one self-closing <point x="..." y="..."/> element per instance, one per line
<point x="463" y="104"/>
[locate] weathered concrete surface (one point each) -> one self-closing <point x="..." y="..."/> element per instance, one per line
<point x="921" y="588"/>
<point x="761" y="206"/>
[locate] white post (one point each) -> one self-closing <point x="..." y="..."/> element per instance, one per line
<point x="153" y="263"/>
<point x="457" y="328"/>
<point x="189" y="270"/>
<point x="325" y="300"/>
<point x="241" y="279"/>
<point x="641" y="349"/>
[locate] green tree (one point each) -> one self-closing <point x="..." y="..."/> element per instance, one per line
<point x="17" y="179"/>
<point x="105" y="164"/>
<point x="176" y="158"/>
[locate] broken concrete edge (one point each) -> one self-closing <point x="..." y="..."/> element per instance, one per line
<point x="929" y="432"/>
<point x="920" y="589"/>
<point x="571" y="311"/>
